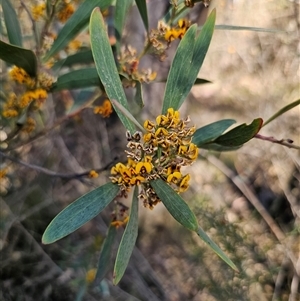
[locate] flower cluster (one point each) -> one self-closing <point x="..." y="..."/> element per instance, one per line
<point x="65" y="12"/>
<point x="105" y="110"/>
<point x="159" y="153"/>
<point x="129" y="63"/>
<point x="178" y="31"/>
<point x="34" y="89"/>
<point x="161" y="37"/>
<point x="38" y="11"/>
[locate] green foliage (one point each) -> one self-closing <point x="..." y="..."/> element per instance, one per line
<point x="80" y="212"/>
<point x="108" y="79"/>
<point x="187" y="62"/>
<point x="106" y="66"/>
<point x="78" y="21"/>
<point x="128" y="240"/>
<point x="21" y="57"/>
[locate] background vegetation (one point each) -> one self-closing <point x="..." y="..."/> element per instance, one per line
<point x="253" y="74"/>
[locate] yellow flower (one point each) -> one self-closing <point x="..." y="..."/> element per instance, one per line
<point x="10" y="113"/>
<point x="38" y="11"/>
<point x="143" y="167"/>
<point x="148" y="125"/>
<point x="184" y="184"/>
<point x="105" y="110"/>
<point x="93" y="174"/>
<point x="90" y="275"/>
<point x="66" y="12"/>
<point x="174" y="177"/>
<point x="26" y="99"/>
<point x="20" y="75"/>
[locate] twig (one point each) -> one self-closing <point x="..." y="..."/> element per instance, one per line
<point x="53" y="173"/>
<point x="280" y="279"/>
<point x="295" y="285"/>
<point x="33" y="27"/>
<point x="284" y="142"/>
<point x="249" y="194"/>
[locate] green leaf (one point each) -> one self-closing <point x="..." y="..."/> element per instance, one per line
<point x="139" y="94"/>
<point x="142" y="7"/>
<point x="215" y="248"/>
<point x="20" y="57"/>
<point x="219" y="148"/>
<point x="282" y="111"/>
<point x="82" y="57"/>
<point x="201" y="81"/>
<point x="12" y="23"/>
<point x="121" y="11"/>
<point x="128" y="240"/>
<point x="187" y="63"/>
<point x="240" y="134"/>
<point x="105" y="254"/>
<point x="106" y="66"/>
<point x="77" y="79"/>
<point x="178" y="77"/>
<point x="211" y="131"/>
<point x="248" y="28"/>
<point x="80" y="212"/>
<point x="81" y="100"/>
<point x="77" y="22"/>
<point x="177" y="207"/>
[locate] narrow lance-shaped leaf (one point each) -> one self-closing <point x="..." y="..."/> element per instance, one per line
<point x="142" y="7"/>
<point x="105" y="254"/>
<point x="81" y="57"/>
<point x="283" y="110"/>
<point x="20" y="57"/>
<point x="200" y="49"/>
<point x="121" y="12"/>
<point x="240" y="134"/>
<point x="139" y="94"/>
<point x="246" y="28"/>
<point x="177" y="207"/>
<point x="211" y="131"/>
<point x="187" y="62"/>
<point x="77" y="22"/>
<point x="178" y="74"/>
<point x="12" y="23"/>
<point x="77" y="79"/>
<point x="202" y="81"/>
<point x="215" y="248"/>
<point x="128" y="240"/>
<point x="80" y="212"/>
<point x="106" y="66"/>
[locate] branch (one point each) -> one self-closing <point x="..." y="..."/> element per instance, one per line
<point x="285" y="142"/>
<point x="53" y="173"/>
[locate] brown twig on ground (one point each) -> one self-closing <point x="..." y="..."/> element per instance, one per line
<point x="54" y="173"/>
<point x="249" y="194"/>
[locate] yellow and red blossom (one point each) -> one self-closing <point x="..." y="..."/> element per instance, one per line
<point x="65" y="12"/>
<point x="160" y="153"/>
<point x="105" y="109"/>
